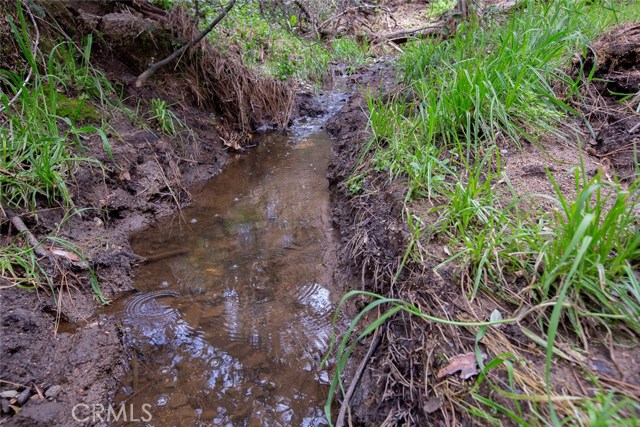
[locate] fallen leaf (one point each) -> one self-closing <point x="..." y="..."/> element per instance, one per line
<point x="465" y="363"/>
<point x="432" y="405"/>
<point x="65" y="254"/>
<point x="496" y="316"/>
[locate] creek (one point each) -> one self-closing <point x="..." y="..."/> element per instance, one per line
<point x="229" y="327"/>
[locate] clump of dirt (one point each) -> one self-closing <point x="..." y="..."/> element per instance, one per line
<point x="617" y="57"/>
<point x="613" y="97"/>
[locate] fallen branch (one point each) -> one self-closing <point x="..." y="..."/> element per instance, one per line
<point x="19" y="225"/>
<point x="400" y="36"/>
<point x="164" y="255"/>
<point x="155" y="67"/>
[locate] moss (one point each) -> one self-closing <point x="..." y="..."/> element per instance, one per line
<point x="77" y="109"/>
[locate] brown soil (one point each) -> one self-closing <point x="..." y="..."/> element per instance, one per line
<point x="615" y="121"/>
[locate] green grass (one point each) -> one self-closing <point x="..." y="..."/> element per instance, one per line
<point x="271" y="44"/>
<point x="499" y="81"/>
<point x="41" y="132"/>
<point x="505" y="82"/>
<point x="438" y="7"/>
<point x="166" y="120"/>
<point x="593" y="250"/>
<point x="348" y="51"/>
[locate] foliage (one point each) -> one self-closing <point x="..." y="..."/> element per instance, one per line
<point x="39" y="132"/>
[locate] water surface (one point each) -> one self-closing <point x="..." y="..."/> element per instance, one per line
<point x="231" y="330"/>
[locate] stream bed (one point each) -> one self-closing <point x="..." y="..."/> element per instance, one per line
<point x="229" y="325"/>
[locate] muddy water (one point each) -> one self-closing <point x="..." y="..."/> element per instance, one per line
<point x="231" y="329"/>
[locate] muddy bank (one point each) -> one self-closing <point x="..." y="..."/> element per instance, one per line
<point x="83" y="361"/>
<point x="83" y="366"/>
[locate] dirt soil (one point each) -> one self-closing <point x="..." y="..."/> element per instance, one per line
<point x="147" y="180"/>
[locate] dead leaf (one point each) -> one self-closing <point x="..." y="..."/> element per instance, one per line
<point x="465" y="363"/>
<point x="432" y="405"/>
<point x="65" y="254"/>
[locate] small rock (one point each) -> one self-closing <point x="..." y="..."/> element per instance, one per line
<point x="22" y="398"/>
<point x="4" y="406"/>
<point x="9" y="394"/>
<point x="193" y="221"/>
<point x="98" y="222"/>
<point x="266" y="384"/>
<point x="164" y="284"/>
<point x="52" y="391"/>
<point x="178" y="400"/>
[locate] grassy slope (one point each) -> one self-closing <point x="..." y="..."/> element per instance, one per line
<point x="500" y="85"/>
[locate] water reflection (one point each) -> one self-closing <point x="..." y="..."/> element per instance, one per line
<point x="231" y="333"/>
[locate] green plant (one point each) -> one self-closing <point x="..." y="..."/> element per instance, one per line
<point x="38" y="140"/>
<point x="350" y="338"/>
<point x="21" y="266"/>
<point x="439" y="7"/>
<point x="610" y="409"/>
<point x="71" y="67"/>
<point x="165" y="119"/>
<point x="593" y="252"/>
<point x="350" y="52"/>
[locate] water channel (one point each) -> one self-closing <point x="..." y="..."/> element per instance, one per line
<point x="230" y="330"/>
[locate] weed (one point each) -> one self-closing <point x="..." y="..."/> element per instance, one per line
<point x="71" y="68"/>
<point x="595" y="246"/>
<point x="38" y="135"/>
<point x="503" y="82"/>
<point x="165" y="119"/>
<point x="439" y="7"/>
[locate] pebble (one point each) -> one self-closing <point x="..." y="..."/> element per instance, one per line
<point x="164" y="284"/>
<point x="53" y="391"/>
<point x="9" y="394"/>
<point x="193" y="221"/>
<point x="178" y="400"/>
<point x="4" y="404"/>
<point x="22" y="398"/>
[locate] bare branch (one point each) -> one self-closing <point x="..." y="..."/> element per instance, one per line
<point x="155" y="67"/>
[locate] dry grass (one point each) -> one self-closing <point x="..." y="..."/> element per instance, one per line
<point x="222" y="82"/>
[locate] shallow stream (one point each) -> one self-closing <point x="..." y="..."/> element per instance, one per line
<point x="230" y="329"/>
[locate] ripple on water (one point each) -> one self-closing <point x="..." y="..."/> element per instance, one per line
<point x="144" y="306"/>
